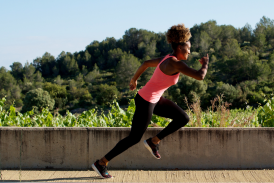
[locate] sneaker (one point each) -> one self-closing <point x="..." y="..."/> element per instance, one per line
<point x="101" y="170"/>
<point x="153" y="149"/>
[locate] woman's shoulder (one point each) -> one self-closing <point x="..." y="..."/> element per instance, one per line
<point x="153" y="62"/>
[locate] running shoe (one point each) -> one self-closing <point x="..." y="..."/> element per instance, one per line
<point x="153" y="149"/>
<point x="101" y="170"/>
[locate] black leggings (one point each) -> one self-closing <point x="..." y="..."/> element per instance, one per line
<point x="141" y="120"/>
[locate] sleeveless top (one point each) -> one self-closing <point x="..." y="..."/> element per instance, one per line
<point x="158" y="83"/>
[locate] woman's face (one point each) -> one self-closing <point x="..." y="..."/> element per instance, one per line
<point x="184" y="51"/>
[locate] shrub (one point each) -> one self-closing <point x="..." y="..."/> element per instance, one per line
<point x="37" y="99"/>
<point x="106" y="94"/>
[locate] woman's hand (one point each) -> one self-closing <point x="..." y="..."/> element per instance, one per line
<point x="132" y="84"/>
<point x="204" y="60"/>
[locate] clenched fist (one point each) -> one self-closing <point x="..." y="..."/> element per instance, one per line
<point x="204" y="60"/>
<point x="132" y="84"/>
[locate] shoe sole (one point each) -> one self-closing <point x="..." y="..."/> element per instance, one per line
<point x="148" y="148"/>
<point x="97" y="171"/>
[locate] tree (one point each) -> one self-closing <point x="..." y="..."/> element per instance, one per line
<point x="133" y="37"/>
<point x="217" y="45"/>
<point x="84" y="70"/>
<point x="67" y="64"/>
<point x="162" y="45"/>
<point x="228" y="32"/>
<point x="246" y="33"/>
<point x="145" y="77"/>
<point x="260" y="41"/>
<point x="37" y="99"/>
<point x="58" y="93"/>
<point x="45" y="64"/>
<point x="204" y="42"/>
<point x="91" y="76"/>
<point x="187" y="87"/>
<point x="6" y="79"/>
<point x="79" y="80"/>
<point x="231" y="48"/>
<point x="211" y="28"/>
<point x="37" y="77"/>
<point x="230" y="92"/>
<point x="28" y="71"/>
<point x="145" y="50"/>
<point x="17" y="70"/>
<point x="106" y="94"/>
<point x="114" y="56"/>
<point x="59" y="80"/>
<point x="126" y="69"/>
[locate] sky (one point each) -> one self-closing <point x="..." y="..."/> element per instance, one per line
<point x="30" y="28"/>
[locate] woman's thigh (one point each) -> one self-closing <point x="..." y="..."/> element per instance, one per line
<point x="142" y="115"/>
<point x="169" y="109"/>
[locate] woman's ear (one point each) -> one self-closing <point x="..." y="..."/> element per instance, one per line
<point x="180" y="47"/>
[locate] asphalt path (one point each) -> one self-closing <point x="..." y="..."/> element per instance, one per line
<point x="139" y="176"/>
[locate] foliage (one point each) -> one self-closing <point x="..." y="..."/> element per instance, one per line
<point x="241" y="67"/>
<point x="106" y="94"/>
<point x="266" y="113"/>
<point x="218" y="115"/>
<point x="37" y="99"/>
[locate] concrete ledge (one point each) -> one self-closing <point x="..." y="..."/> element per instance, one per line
<point x="188" y="148"/>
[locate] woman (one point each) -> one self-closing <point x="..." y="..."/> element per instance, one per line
<point x="148" y="100"/>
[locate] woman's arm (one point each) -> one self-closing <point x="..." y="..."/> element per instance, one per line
<point x="141" y="69"/>
<point x="199" y="75"/>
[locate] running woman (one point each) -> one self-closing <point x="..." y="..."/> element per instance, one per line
<point x="149" y="99"/>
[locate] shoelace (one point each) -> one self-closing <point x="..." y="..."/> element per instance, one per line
<point x="104" y="168"/>
<point x="157" y="147"/>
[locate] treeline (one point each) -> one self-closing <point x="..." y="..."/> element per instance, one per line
<point x="241" y="67"/>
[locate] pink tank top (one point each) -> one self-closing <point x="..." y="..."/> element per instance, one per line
<point x="157" y="84"/>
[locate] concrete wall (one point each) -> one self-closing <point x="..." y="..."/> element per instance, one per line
<point x="188" y="148"/>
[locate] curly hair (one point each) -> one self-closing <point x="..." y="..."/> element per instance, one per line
<point x="178" y="34"/>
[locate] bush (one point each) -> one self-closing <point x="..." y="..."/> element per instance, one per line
<point x="37" y="99"/>
<point x="18" y="103"/>
<point x="229" y="91"/>
<point x="266" y="114"/>
<point x="106" y="94"/>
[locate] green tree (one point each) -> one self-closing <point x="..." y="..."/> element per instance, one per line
<point x="37" y="99"/>
<point x="59" y="80"/>
<point x="45" y="64"/>
<point x="28" y="71"/>
<point x="91" y="76"/>
<point x="84" y="70"/>
<point x="246" y="33"/>
<point x="217" y="45"/>
<point x="126" y="69"/>
<point x="204" y="42"/>
<point x="230" y="92"/>
<point x="260" y="41"/>
<point x="187" y="87"/>
<point x="114" y="56"/>
<point x="58" y="93"/>
<point x="211" y="28"/>
<point x="17" y="70"/>
<point x="106" y="94"/>
<point x="231" y="48"/>
<point x="79" y="80"/>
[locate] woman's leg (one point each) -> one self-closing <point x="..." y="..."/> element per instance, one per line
<point x="169" y="109"/>
<point x="141" y="119"/>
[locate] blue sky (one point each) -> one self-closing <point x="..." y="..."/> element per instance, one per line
<point x="29" y="28"/>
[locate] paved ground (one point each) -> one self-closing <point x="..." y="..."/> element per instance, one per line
<point x="140" y="176"/>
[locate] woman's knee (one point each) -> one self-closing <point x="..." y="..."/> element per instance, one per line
<point x="134" y="139"/>
<point x="182" y="120"/>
